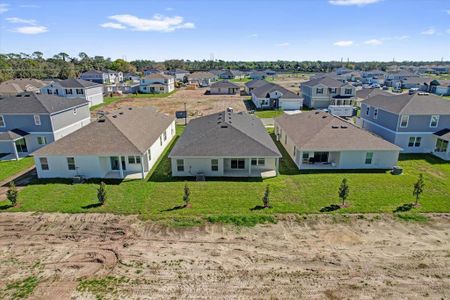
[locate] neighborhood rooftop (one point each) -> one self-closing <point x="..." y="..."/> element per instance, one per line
<point x="263" y="90"/>
<point x="320" y="131"/>
<point x="224" y="84"/>
<point x="326" y="80"/>
<point x="19" y="85"/>
<point x="76" y="83"/>
<point x="253" y="84"/>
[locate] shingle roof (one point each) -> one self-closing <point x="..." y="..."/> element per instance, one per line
<point x="367" y="93"/>
<point x="255" y="83"/>
<point x="12" y="135"/>
<point x="417" y="80"/>
<point x="262" y="91"/>
<point x="326" y="80"/>
<point x="225" y="134"/>
<point x="76" y="83"/>
<point x="224" y="84"/>
<point x="38" y="103"/>
<point x="320" y="131"/>
<point x="122" y="132"/>
<point x="415" y="104"/>
<point x="443" y="134"/>
<point x="157" y="76"/>
<point x="200" y="75"/>
<point x="19" y="85"/>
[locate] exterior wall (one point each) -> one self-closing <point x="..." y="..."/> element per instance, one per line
<point x="441" y="90"/>
<point x="356" y="160"/>
<point x="147" y="84"/>
<point x="157" y="149"/>
<point x="291" y="104"/>
<point x="421" y="123"/>
<point x="384" y="118"/>
<point x="32" y="142"/>
<point x="68" y="117"/>
<point x="94" y="95"/>
<point x="427" y="144"/>
<point x="223" y="91"/>
<point x="26" y="123"/>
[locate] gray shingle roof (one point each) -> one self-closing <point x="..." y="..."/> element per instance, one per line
<point x="262" y="91"/>
<point x="417" y="80"/>
<point x="123" y="132"/>
<point x="12" y="135"/>
<point x="367" y="93"/>
<point x="30" y="103"/>
<point x="255" y="83"/>
<point x="224" y="84"/>
<point x="19" y="85"/>
<point x="325" y="80"/>
<point x="443" y="134"/>
<point x="200" y="75"/>
<point x="225" y="134"/>
<point x="76" y="83"/>
<point x="415" y="104"/>
<point x="320" y="131"/>
<point x="157" y="76"/>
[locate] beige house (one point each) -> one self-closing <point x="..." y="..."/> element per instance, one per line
<point x="157" y="83"/>
<point x="19" y="85"/>
<point x="224" y="87"/>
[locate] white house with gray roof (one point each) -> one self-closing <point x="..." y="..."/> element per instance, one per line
<point x="29" y="121"/>
<point x="318" y="140"/>
<point x="224" y="87"/>
<point x="124" y="143"/>
<point x="75" y="88"/>
<point x="274" y="96"/>
<point x="225" y="144"/>
<point x="418" y="123"/>
<point x="103" y="76"/>
<point x="157" y="83"/>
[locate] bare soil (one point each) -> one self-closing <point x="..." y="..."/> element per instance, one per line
<point x="314" y="257"/>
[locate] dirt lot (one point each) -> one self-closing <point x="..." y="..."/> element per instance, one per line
<point x="320" y="257"/>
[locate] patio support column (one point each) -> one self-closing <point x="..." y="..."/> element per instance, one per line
<point x="277" y="163"/>
<point x="142" y="167"/>
<point x="120" y="167"/>
<point x="16" y="154"/>
<point x="249" y="160"/>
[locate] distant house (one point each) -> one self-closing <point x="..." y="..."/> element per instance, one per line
<point x="103" y="76"/>
<point x="29" y="121"/>
<point x="201" y="79"/>
<point x="274" y="96"/>
<point x="131" y="76"/>
<point x="124" y="143"/>
<point x="157" y="83"/>
<point x="318" y="140"/>
<point x="75" y="88"/>
<point x="372" y="76"/>
<point x="325" y="92"/>
<point x="413" y="122"/>
<point x="420" y="83"/>
<point x="394" y="78"/>
<point x="270" y="72"/>
<point x="440" y="87"/>
<point x="150" y="71"/>
<point x="258" y="75"/>
<point x="224" y="87"/>
<point x="178" y="74"/>
<point x="225" y="144"/>
<point x="19" y="85"/>
<point x="231" y="74"/>
<point x="251" y="85"/>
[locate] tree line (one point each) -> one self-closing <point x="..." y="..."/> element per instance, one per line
<point x="62" y="65"/>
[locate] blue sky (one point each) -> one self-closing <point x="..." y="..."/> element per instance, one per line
<point x="231" y="30"/>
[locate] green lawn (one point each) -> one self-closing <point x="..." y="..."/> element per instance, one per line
<point x="109" y="100"/>
<point x="268" y="113"/>
<point x="158" y="196"/>
<point x="244" y="80"/>
<point x="9" y="168"/>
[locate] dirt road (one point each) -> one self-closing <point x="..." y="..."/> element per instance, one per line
<point x="365" y="257"/>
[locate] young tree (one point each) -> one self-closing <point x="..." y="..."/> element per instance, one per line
<point x="418" y="188"/>
<point x="101" y="193"/>
<point x="265" y="198"/>
<point x="187" y="195"/>
<point x="12" y="193"/>
<point x="343" y="191"/>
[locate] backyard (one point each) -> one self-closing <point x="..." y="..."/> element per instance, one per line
<point x="159" y="197"/>
<point x="12" y="167"/>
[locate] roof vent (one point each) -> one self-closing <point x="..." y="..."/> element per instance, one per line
<point x="334" y="126"/>
<point x="224" y="126"/>
<point x="229" y="109"/>
<point x="344" y="126"/>
<point x="114" y="116"/>
<point x="18" y="95"/>
<point x="324" y="117"/>
<point x="130" y="108"/>
<point x="121" y="113"/>
<point x="317" y="112"/>
<point x="27" y="95"/>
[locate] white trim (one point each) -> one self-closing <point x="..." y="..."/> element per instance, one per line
<point x="3" y="121"/>
<point x="407" y="121"/>
<point x="437" y="121"/>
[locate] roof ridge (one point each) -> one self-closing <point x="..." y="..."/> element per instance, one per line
<point x="407" y="104"/>
<point x="124" y="135"/>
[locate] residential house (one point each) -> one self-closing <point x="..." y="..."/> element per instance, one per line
<point x="225" y="144"/>
<point x="19" y="85"/>
<point x="270" y="73"/>
<point x="325" y="92"/>
<point x="151" y="71"/>
<point x="201" y="79"/>
<point x="413" y="122"/>
<point x="440" y="87"/>
<point x="255" y="83"/>
<point x="274" y="96"/>
<point x="231" y="74"/>
<point x="157" y="83"/>
<point x="420" y="83"/>
<point x="75" y="88"/>
<point x="131" y="77"/>
<point x="103" y="76"/>
<point x="373" y="77"/>
<point x="124" y="143"/>
<point x="224" y="87"/>
<point x="318" y="140"/>
<point x="29" y="121"/>
<point x="363" y="94"/>
<point x="258" y="75"/>
<point x="178" y="74"/>
<point x="394" y="78"/>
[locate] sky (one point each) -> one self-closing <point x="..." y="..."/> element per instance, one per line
<point x="357" y="30"/>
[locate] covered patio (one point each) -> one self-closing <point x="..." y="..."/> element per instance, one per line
<point x="13" y="144"/>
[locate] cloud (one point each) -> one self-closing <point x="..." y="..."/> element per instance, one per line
<point x="3" y="7"/>
<point x="373" y="42"/>
<point x="448" y="11"/>
<point x="429" y="31"/>
<point x="29" y="6"/>
<point x="448" y="31"/>
<point x="254" y="35"/>
<point x="343" y="43"/>
<point x="169" y="8"/>
<point x="157" y="23"/>
<point x="352" y="2"/>
<point x="16" y="20"/>
<point x="113" y="25"/>
<point x="285" y="44"/>
<point x="30" y="29"/>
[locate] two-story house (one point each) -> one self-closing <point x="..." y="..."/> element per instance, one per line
<point x="178" y="74"/>
<point x="201" y="79"/>
<point x="372" y="76"/>
<point x="29" y="121"/>
<point x="325" y="92"/>
<point x="418" y="123"/>
<point x="394" y="78"/>
<point x="75" y="88"/>
<point x="103" y="77"/>
<point x="157" y="83"/>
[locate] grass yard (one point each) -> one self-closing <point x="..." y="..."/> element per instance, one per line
<point x="110" y="100"/>
<point x="268" y="113"/>
<point x="9" y="168"/>
<point x="243" y="80"/>
<point x="159" y="196"/>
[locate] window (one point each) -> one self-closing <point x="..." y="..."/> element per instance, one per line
<point x="414" y="141"/>
<point x="434" y="121"/>
<point x="369" y="158"/>
<point x="71" y="163"/>
<point x="56" y="92"/>
<point x="368" y="110"/>
<point x="149" y="154"/>
<point x="333" y="90"/>
<point x="131" y="160"/>
<point x="80" y="92"/>
<point x="261" y="161"/>
<point x="254" y="162"/>
<point x="160" y="140"/>
<point x="165" y="135"/>
<point x="348" y="91"/>
<point x="180" y="165"/>
<point x="37" y="120"/>
<point x="319" y="91"/>
<point x="305" y="157"/>
<point x="295" y="151"/>
<point x="441" y="146"/>
<point x="214" y="165"/>
<point x="44" y="163"/>
<point x="138" y="159"/>
<point x="238" y="163"/>
<point x="68" y="91"/>
<point x="285" y="139"/>
<point x="49" y="91"/>
<point x="42" y="140"/>
<point x="375" y="113"/>
<point x="161" y="89"/>
<point x="2" y="121"/>
<point x="75" y="111"/>
<point x="404" y="121"/>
